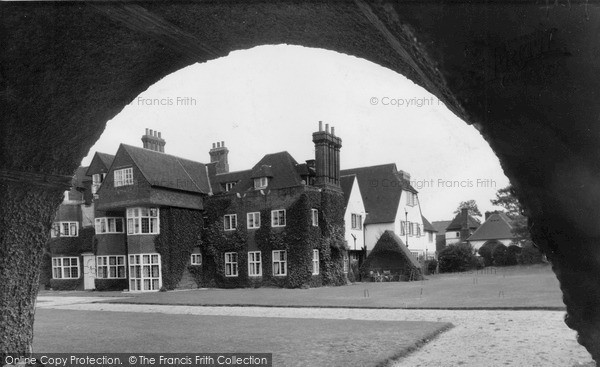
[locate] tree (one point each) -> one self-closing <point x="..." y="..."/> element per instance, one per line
<point x="507" y="198"/>
<point x="471" y="205"/>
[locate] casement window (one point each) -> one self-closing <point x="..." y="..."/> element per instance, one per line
<point x="143" y="221"/>
<point x="144" y="272"/>
<point x="231" y="264"/>
<point x="261" y="183"/>
<point x="196" y="259"/>
<point x="229" y="186"/>
<point x="315" y="262"/>
<point x="253" y="220"/>
<point x="97" y="179"/>
<point x="65" y="229"/>
<point x="279" y="262"/>
<point x="415" y="254"/>
<point x="65" y="267"/>
<point x="109" y="225"/>
<point x="314" y="215"/>
<point x="356" y="220"/>
<point x="110" y="267"/>
<point x="230" y="222"/>
<point x="419" y="234"/>
<point x="346" y="260"/>
<point x="411" y="228"/>
<point x="411" y="198"/>
<point x="278" y="218"/>
<point x="402" y="228"/>
<point x="123" y="177"/>
<point x="254" y="264"/>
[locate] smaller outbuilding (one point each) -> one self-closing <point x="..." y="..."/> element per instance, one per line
<point x="391" y="260"/>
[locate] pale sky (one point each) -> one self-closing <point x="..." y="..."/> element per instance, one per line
<point x="270" y="98"/>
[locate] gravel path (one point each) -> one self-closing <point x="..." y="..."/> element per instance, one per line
<point x="478" y="338"/>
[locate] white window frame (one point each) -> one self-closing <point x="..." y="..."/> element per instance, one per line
<point x="123" y="177"/>
<point x="64" y="229"/>
<point x="410" y="229"/>
<point x="62" y="267"/>
<point x="411" y="198"/>
<point x="107" y="263"/>
<point x="196" y="259"/>
<point x="281" y="269"/>
<point x="253" y="220"/>
<point x="136" y="217"/>
<point x="402" y="228"/>
<point x="230" y="222"/>
<point x="254" y="263"/>
<point x="229" y="186"/>
<point x="356" y="220"/>
<point x="276" y="216"/>
<point x="315" y="262"/>
<point x="231" y="264"/>
<point x="419" y="234"/>
<point x="145" y="272"/>
<point x="415" y="254"/>
<point x="103" y="225"/>
<point x="261" y="183"/>
<point x="314" y="217"/>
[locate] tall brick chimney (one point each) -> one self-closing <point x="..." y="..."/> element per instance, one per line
<point x="218" y="154"/>
<point x="152" y="140"/>
<point x="327" y="157"/>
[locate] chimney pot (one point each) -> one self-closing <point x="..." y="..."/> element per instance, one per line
<point x="218" y="145"/>
<point x="151" y="132"/>
<point x="159" y="135"/>
<point x="146" y="131"/>
<point x="327" y="128"/>
<point x="320" y="125"/>
<point x="214" y="145"/>
<point x="332" y="130"/>
<point x="222" y="144"/>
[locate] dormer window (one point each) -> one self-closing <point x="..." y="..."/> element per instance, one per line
<point x="229" y="186"/>
<point x="97" y="180"/>
<point x="261" y="183"/>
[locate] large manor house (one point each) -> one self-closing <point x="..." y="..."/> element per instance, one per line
<point x="144" y="220"/>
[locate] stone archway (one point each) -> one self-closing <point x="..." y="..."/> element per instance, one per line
<point x="523" y="74"/>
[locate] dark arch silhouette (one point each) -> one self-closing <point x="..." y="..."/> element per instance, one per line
<point x="523" y="74"/>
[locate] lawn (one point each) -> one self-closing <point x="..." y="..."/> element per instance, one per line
<point x="293" y="342"/>
<point x="516" y="287"/>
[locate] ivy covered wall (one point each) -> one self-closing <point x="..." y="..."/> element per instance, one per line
<point x="180" y="232"/>
<point x="298" y="238"/>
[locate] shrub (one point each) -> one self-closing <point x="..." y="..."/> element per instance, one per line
<point x="499" y="254"/>
<point x="456" y="258"/>
<point x="512" y="255"/>
<point x="111" y="284"/>
<point x="430" y="266"/>
<point x="478" y="263"/>
<point x="530" y="255"/>
<point x="485" y="252"/>
<point x="65" y="284"/>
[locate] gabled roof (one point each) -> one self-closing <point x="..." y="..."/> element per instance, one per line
<point x="441" y="225"/>
<point x="101" y="162"/>
<point x="169" y="171"/>
<point x="346" y="182"/>
<point x="457" y="223"/>
<point x="427" y="226"/>
<point x="280" y="167"/>
<point x="381" y="190"/>
<point x="496" y="227"/>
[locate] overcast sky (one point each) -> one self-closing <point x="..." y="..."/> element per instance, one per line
<point x="270" y="98"/>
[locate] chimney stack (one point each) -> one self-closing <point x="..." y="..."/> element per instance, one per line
<point x="153" y="140"/>
<point x="219" y="154"/>
<point x="464" y="221"/>
<point x="327" y="157"/>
